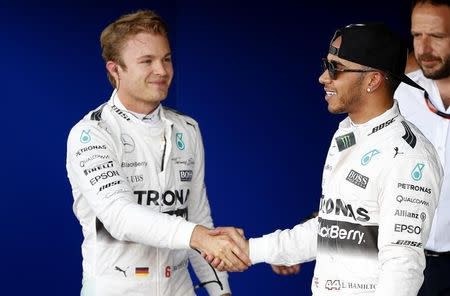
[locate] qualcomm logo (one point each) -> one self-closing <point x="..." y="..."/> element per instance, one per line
<point x="85" y="137"/>
<point x="416" y="173"/>
<point x="180" y="143"/>
<point x="366" y="158"/>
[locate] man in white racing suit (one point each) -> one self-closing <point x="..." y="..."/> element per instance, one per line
<point x="137" y="175"/>
<point x="381" y="179"/>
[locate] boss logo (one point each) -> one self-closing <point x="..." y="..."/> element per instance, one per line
<point x="357" y="179"/>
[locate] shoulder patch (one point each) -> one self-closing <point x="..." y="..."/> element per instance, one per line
<point x="186" y="118"/>
<point x="409" y="136"/>
<point x="173" y="110"/>
<point x="97" y="114"/>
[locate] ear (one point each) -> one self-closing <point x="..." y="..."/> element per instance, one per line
<point x="374" y="81"/>
<point x="112" y="68"/>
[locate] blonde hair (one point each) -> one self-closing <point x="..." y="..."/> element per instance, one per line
<point x="115" y="35"/>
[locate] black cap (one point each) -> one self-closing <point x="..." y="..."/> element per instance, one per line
<point x="376" y="46"/>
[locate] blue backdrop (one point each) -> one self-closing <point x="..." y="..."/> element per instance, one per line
<point x="249" y="75"/>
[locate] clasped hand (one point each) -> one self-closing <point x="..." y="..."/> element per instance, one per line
<point x="225" y="248"/>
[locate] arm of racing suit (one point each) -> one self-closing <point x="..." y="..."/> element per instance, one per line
<point x="110" y="196"/>
<point x="407" y="203"/>
<point x="286" y="247"/>
<point x="199" y="213"/>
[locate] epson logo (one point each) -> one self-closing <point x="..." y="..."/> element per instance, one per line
<point x="408" y="243"/>
<point x="89" y="148"/>
<point x="408" y="228"/>
<point x="186" y="175"/>
<point x="357" y="179"/>
<point x="120" y="112"/>
<point x="414" y="187"/>
<point x="103" y="176"/>
<point x="340" y="208"/>
<point x="108" y="164"/>
<point x="167" y="198"/>
<point x="335" y="232"/>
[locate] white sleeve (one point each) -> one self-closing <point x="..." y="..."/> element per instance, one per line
<point x="200" y="213"/>
<point x="287" y="247"/>
<point x="409" y="195"/>
<point x="106" y="190"/>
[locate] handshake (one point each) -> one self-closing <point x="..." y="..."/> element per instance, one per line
<point x="225" y="248"/>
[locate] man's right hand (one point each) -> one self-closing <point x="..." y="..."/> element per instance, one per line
<point x="222" y="247"/>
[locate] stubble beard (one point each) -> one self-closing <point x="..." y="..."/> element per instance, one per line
<point x="440" y="73"/>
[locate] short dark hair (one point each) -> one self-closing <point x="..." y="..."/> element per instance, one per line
<point x="432" y="2"/>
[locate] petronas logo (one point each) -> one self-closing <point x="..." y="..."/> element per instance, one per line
<point x="85" y="137"/>
<point x="416" y="173"/>
<point x="180" y="143"/>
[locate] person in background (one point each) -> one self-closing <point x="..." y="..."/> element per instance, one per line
<point x="430" y="28"/>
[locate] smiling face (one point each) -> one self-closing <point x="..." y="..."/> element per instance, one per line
<point x="147" y="73"/>
<point x="430" y="28"/>
<point x="343" y="93"/>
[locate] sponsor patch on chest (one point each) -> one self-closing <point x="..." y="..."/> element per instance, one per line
<point x="357" y="179"/>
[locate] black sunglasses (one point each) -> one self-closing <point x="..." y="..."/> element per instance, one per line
<point x="331" y="66"/>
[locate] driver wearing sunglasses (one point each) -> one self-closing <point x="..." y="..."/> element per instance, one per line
<point x="380" y="183"/>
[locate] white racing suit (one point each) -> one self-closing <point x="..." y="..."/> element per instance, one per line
<point x="380" y="187"/>
<point x="137" y="211"/>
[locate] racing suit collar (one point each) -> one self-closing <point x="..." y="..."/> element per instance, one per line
<point x="369" y="125"/>
<point x="152" y="118"/>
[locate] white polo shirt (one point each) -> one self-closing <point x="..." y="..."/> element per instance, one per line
<point x="436" y="128"/>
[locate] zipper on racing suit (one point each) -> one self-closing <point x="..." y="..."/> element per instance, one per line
<point x="164" y="154"/>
